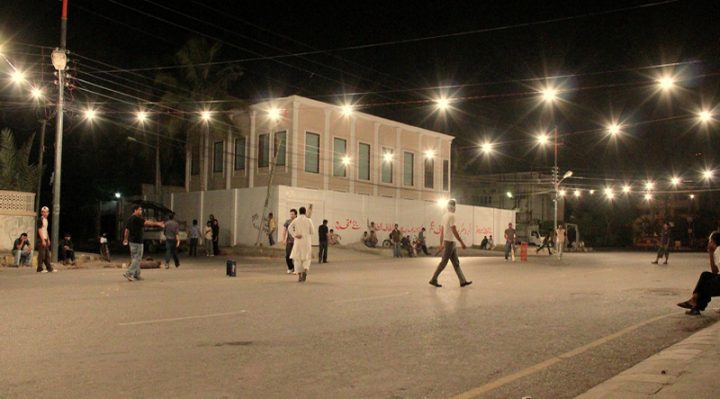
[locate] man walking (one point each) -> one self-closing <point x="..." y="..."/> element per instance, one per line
<point x="449" y="238"/>
<point x="545" y="244"/>
<point x="560" y="239"/>
<point x="664" y="249"/>
<point x="44" y="247"/>
<point x="323" y="240"/>
<point x="133" y="236"/>
<point x="396" y="238"/>
<point x="510" y="242"/>
<point x="215" y="235"/>
<point x="194" y="238"/>
<point x="301" y="229"/>
<point x="172" y="241"/>
<point x="289" y="242"/>
<point x="272" y="226"/>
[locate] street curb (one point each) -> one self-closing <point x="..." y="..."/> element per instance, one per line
<point x="673" y="369"/>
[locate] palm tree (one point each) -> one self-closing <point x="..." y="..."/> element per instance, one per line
<point x="198" y="85"/>
<point x="16" y="172"/>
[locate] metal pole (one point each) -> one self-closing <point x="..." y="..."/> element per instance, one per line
<point x="55" y="236"/>
<point x="158" y="183"/>
<point x="556" y="183"/>
<point x="41" y="151"/>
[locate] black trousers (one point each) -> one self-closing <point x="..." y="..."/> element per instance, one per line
<point x="193" y="247"/>
<point x="322" y="256"/>
<point x="451" y="255"/>
<point x="424" y="249"/>
<point x="216" y="245"/>
<point x="708" y="286"/>
<point x="44" y="258"/>
<point x="288" y="250"/>
<point x="544" y="246"/>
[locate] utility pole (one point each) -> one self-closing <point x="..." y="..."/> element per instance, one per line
<point x="41" y="152"/>
<point x="556" y="185"/>
<point x="59" y="61"/>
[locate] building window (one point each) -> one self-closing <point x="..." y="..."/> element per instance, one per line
<point x="387" y="165"/>
<point x="218" y="157"/>
<point x="364" y="161"/>
<point x="195" y="160"/>
<point x="429" y="173"/>
<point x="263" y="150"/>
<point x="408" y="168"/>
<point x="240" y="153"/>
<point x="312" y="152"/>
<point x="281" y="148"/>
<point x="446" y="175"/>
<point x="339" y="153"/>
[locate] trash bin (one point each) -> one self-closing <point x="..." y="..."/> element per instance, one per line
<point x="231" y="268"/>
<point x="523" y="251"/>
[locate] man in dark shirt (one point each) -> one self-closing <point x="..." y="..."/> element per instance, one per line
<point x="323" y="239"/>
<point x="289" y="241"/>
<point x="664" y="245"/>
<point x="396" y="237"/>
<point x="67" y="252"/>
<point x="172" y="241"/>
<point x="133" y="235"/>
<point x="422" y="242"/>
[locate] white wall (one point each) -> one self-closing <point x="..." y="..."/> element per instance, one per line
<point x="238" y="211"/>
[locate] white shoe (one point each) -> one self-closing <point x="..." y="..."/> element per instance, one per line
<point x="289" y="272"/>
<point x="44" y="271"/>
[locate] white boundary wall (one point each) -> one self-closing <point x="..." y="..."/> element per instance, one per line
<point x="238" y="211"/>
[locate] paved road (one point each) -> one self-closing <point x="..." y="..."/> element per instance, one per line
<point x="367" y="328"/>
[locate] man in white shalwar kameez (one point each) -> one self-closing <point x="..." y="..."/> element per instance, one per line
<point x="302" y="230"/>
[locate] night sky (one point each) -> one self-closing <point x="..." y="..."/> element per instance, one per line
<point x="392" y="59"/>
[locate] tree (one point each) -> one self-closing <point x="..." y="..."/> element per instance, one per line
<point x="199" y="84"/>
<point x="16" y="172"/>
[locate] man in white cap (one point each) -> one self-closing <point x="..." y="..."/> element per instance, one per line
<point x="44" y="244"/>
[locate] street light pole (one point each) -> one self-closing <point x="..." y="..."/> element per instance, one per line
<point x="59" y="60"/>
<point x="556" y="182"/>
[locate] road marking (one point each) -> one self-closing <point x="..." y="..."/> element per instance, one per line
<point x="370" y="298"/>
<point x="476" y="392"/>
<point x="206" y="316"/>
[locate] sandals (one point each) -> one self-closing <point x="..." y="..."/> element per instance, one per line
<point x="685" y="305"/>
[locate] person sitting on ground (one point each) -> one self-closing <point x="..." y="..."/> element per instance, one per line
<point x="22" y="251"/>
<point x="708" y="284"/>
<point x="407" y="245"/>
<point x="372" y="239"/>
<point x="491" y="243"/>
<point x="484" y="243"/>
<point x="333" y="239"/>
<point x="67" y="253"/>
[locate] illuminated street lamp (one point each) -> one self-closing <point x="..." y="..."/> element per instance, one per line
<point x="648" y="197"/>
<point x="577" y="193"/>
<point x="90" y="114"/>
<point x="705" y="116"/>
<point x="626" y="189"/>
<point x="442" y="104"/>
<point x="675" y="181"/>
<point x="429" y="154"/>
<point x="649" y="185"/>
<point x="486" y="147"/>
<point x="36" y="93"/>
<point x="274" y="114"/>
<point x="17" y="76"/>
<point x="346" y="160"/>
<point x="707" y="174"/>
<point x="666" y="83"/>
<point x="205" y="115"/>
<point x="613" y="129"/>
<point x="549" y="94"/>
<point x="543" y="139"/>
<point x="388" y="157"/>
<point x="141" y="116"/>
<point x="609" y="193"/>
<point x="347" y="110"/>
